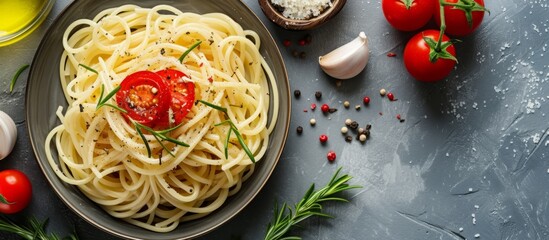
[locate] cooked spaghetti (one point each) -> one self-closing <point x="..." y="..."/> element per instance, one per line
<point x="102" y="153"/>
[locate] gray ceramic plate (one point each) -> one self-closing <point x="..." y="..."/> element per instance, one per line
<point x="44" y="95"/>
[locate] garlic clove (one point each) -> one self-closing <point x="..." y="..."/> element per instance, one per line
<point x="8" y="135"/>
<point x="348" y="60"/>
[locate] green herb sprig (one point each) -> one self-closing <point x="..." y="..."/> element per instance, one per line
<point x="189" y="51"/>
<point x="159" y="136"/>
<point x="232" y="129"/>
<point x="16" y="76"/>
<point x="310" y="205"/>
<point x="103" y="101"/>
<point x="36" y="230"/>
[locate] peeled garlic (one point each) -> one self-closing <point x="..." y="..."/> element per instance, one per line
<point x="8" y="135"/>
<point x="348" y="60"/>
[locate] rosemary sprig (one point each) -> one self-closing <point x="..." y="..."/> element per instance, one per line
<point x="36" y="230"/>
<point x="232" y="128"/>
<point x="159" y="136"/>
<point x="310" y="205"/>
<point x="16" y="76"/>
<point x="88" y="68"/>
<point x="189" y="51"/>
<point x="103" y="101"/>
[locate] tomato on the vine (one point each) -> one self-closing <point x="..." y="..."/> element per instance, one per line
<point x="145" y="97"/>
<point x="182" y="92"/>
<point x="422" y="59"/>
<point x="15" y="191"/>
<point x="462" y="16"/>
<point x="408" y="15"/>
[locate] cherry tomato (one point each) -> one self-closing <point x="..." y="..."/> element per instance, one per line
<point x="16" y="189"/>
<point x="408" y="15"/>
<point x="456" y="20"/>
<point x="145" y="97"/>
<point x="417" y="61"/>
<point x="182" y="92"/>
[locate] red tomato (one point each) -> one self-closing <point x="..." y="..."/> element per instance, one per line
<point x="16" y="189"/>
<point x="417" y="61"/>
<point x="145" y="97"/>
<point x="456" y="20"/>
<point x="182" y="92"/>
<point x="408" y="15"/>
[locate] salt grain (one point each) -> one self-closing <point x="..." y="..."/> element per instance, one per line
<point x="302" y="9"/>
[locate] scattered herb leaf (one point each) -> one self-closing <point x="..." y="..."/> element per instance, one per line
<point x="88" y="68"/>
<point x="189" y="50"/>
<point x="16" y="76"/>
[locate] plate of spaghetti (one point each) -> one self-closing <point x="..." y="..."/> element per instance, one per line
<point x="157" y="119"/>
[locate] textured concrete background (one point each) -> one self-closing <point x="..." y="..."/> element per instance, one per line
<point x="469" y="159"/>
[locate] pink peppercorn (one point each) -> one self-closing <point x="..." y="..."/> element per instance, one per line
<point x="331" y="156"/>
<point x="366" y="100"/>
<point x="325" y="108"/>
<point x="313" y="106"/>
<point x="287" y="43"/>
<point x="390" y="96"/>
<point x="323" y="138"/>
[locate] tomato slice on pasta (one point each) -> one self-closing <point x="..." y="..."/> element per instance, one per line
<point x="182" y="92"/>
<point x="145" y="97"/>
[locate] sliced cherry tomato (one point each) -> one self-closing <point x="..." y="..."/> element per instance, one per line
<point x="408" y="15"/>
<point x="182" y="92"/>
<point x="15" y="191"/>
<point x="457" y="23"/>
<point x="145" y="97"/>
<point x="417" y="57"/>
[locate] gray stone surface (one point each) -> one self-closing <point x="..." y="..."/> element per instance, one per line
<point x="469" y="159"/>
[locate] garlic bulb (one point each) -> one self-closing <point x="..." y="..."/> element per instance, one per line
<point x="8" y="135"/>
<point x="348" y="60"/>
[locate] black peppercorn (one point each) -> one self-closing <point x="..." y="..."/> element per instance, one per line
<point x="368" y="126"/>
<point x="348" y="139"/>
<point x="354" y="125"/>
<point x="299" y="129"/>
<point x="302" y="55"/>
<point x="295" y="53"/>
<point x="318" y="95"/>
<point x="297" y="93"/>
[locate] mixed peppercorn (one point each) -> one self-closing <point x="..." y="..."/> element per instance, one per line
<point x="351" y="127"/>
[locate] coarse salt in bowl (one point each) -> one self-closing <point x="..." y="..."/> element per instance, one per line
<point x="301" y="14"/>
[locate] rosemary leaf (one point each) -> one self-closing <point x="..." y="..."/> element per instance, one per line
<point x="216" y="107"/>
<point x="162" y="144"/>
<point x="285" y="217"/>
<point x="103" y="101"/>
<point x="144" y="140"/>
<point x="88" y="68"/>
<point x="111" y="94"/>
<point x="35" y="230"/>
<point x="243" y="144"/>
<point x="189" y="50"/>
<point x="227" y="143"/>
<point x="16" y="76"/>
